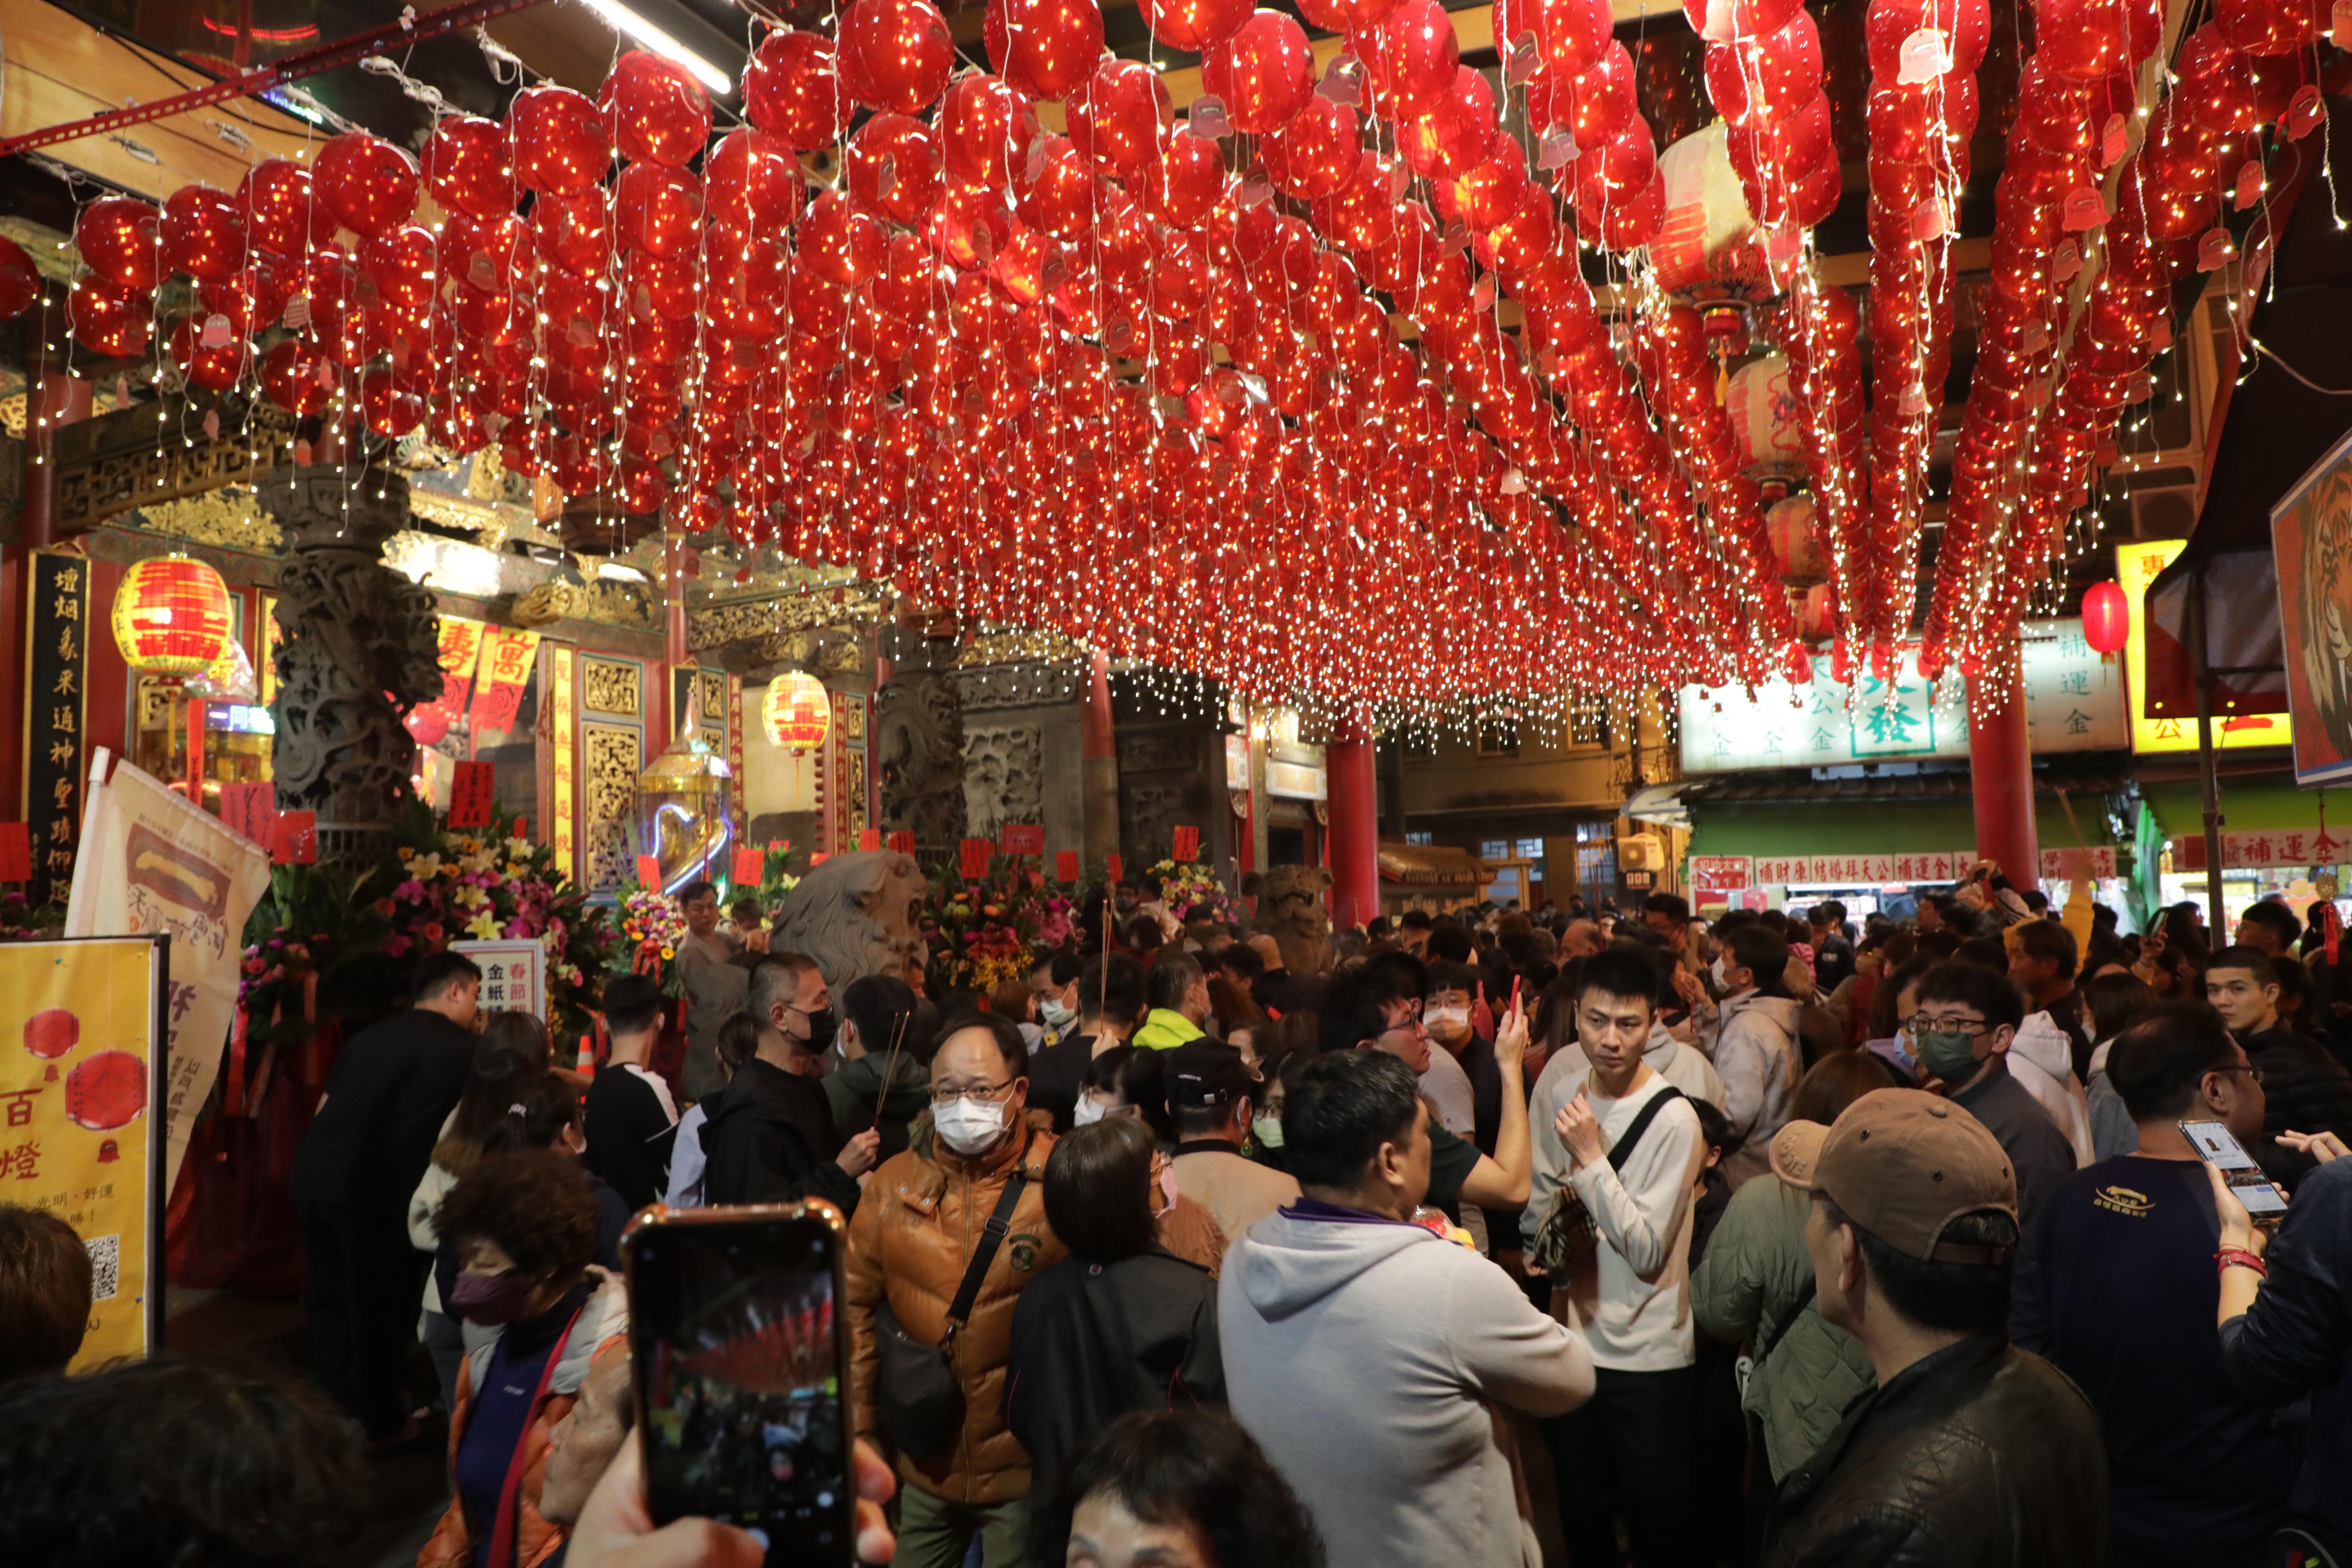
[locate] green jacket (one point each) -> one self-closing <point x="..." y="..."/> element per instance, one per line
<point x="851" y="1095"/>
<point x="1755" y="1273"/>
<point x="1164" y="1029"/>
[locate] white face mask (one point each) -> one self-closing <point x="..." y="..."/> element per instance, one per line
<point x="1268" y="1130"/>
<point x="1054" y="1015"/>
<point x="1716" y="969"/>
<point x="1089" y="1112"/>
<point x="969" y="1125"/>
<point x="1446" y="1020"/>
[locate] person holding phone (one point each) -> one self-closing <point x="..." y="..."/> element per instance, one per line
<point x="2115" y="1285"/>
<point x="2285" y="1319"/>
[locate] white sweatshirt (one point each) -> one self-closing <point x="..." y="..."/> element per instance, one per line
<point x="1630" y="1298"/>
<point x="2041" y="1059"/>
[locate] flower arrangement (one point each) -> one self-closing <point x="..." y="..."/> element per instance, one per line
<point x="452" y="885"/>
<point x="650" y="930"/>
<point x="309" y="947"/>
<point x="986" y="929"/>
<point x="1192" y="891"/>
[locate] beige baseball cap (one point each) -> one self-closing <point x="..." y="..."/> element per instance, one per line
<point x="1903" y="1164"/>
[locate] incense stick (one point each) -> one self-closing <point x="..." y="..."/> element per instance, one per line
<point x="890" y="1068"/>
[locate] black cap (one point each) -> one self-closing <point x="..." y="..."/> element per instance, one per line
<point x="1206" y="1072"/>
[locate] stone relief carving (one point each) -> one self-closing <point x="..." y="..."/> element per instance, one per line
<point x="919" y="747"/>
<point x="360" y="647"/>
<point x="1158" y="753"/>
<point x="1003" y="776"/>
<point x="857" y="915"/>
<point x="1017" y="686"/>
<point x="1152" y="812"/>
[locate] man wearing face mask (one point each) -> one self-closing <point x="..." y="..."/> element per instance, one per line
<point x="1211" y="1094"/>
<point x="1178" y="994"/>
<point x="1054" y="987"/>
<point x="769" y="1135"/>
<point x="1968" y="1017"/>
<point x="979" y="1176"/>
<point x="1448" y="995"/>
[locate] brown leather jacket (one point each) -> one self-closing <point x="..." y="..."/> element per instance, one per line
<point x="912" y="1237"/>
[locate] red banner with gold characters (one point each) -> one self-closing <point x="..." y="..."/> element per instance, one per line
<point x="506" y="663"/>
<point x="79" y="1132"/>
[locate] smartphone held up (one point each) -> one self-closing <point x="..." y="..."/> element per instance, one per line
<point x="2215" y="1145"/>
<point x="741" y="1360"/>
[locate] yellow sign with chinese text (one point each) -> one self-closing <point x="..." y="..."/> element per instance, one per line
<point x="80" y="1133"/>
<point x="2137" y="561"/>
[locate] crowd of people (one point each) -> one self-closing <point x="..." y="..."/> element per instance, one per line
<point x="1776" y="1238"/>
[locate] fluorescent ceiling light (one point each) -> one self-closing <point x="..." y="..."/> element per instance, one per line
<point x="621" y="19"/>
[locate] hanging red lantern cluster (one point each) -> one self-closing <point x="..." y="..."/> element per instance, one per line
<point x="2059" y="364"/>
<point x="915" y="373"/>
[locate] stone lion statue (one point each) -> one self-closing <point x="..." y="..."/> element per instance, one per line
<point x="857" y="915"/>
<point x="1291" y="909"/>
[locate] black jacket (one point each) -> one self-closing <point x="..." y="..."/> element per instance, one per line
<point x="2305" y="1089"/>
<point x="1092" y="1341"/>
<point x="1979" y="1456"/>
<point x="854" y="1092"/>
<point x="768" y="1137"/>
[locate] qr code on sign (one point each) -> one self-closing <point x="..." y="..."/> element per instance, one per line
<point x="105" y="1266"/>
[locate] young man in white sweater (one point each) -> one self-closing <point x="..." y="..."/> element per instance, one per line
<point x="1629" y="1448"/>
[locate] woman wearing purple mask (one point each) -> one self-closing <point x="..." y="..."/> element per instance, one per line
<point x="537" y="1313"/>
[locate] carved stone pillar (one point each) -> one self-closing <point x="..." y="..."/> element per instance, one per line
<point x="361" y="649"/>
<point x="918" y="743"/>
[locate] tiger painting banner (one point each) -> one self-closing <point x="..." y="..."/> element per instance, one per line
<point x="152" y="864"/>
<point x="79" y="1136"/>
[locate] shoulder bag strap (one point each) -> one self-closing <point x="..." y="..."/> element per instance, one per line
<point x="1796" y="1311"/>
<point x="1642" y="1120"/>
<point x="991" y="1237"/>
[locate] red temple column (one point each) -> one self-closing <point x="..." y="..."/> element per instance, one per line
<point x="1352" y="768"/>
<point x="2000" y="767"/>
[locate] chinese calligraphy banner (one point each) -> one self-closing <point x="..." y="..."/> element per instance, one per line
<point x="152" y="864"/>
<point x="506" y="664"/>
<point x="2065" y="865"/>
<point x="55" y="664"/>
<point x="2311" y="540"/>
<point x="1022" y="838"/>
<point x="1719" y="873"/>
<point x="2074" y="702"/>
<point x="1858" y="870"/>
<point x="78" y="1133"/>
<point x="470" y="788"/>
<point x="514" y="973"/>
<point x="2250" y="851"/>
<point x="460" y="650"/>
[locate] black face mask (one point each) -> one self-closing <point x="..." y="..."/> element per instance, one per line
<point x="821" y="1027"/>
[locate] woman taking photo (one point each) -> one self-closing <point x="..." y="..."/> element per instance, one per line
<point x="1122" y="1323"/>
<point x="524" y="1226"/>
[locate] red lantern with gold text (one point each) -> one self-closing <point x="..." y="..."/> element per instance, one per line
<point x="796" y="713"/>
<point x="171" y="616"/>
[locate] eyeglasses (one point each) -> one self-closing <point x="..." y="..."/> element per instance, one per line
<point x="948" y="1094"/>
<point x="2253" y="1075"/>
<point x="1920" y="1023"/>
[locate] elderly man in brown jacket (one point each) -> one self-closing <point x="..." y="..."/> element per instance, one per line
<point x="922" y="1218"/>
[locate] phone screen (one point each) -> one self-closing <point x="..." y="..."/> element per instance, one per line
<point x="739" y="1348"/>
<point x="2217" y="1149"/>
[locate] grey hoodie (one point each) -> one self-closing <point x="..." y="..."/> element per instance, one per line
<point x="1358" y="1352"/>
<point x="1756" y="1054"/>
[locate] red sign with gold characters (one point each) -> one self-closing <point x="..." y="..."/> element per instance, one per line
<point x="470" y="788"/>
<point x="499" y="682"/>
<point x="1022" y="838"/>
<point x="1187" y="846"/>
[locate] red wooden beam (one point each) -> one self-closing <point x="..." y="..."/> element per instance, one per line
<point x="278" y="73"/>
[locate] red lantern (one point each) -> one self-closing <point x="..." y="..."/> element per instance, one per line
<point x="2106" y="617"/>
<point x="170" y="616"/>
<point x="796" y="712"/>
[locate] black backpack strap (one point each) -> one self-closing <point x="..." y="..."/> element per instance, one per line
<point x="1642" y="1120"/>
<point x="991" y="1237"/>
<point x="1796" y="1311"/>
